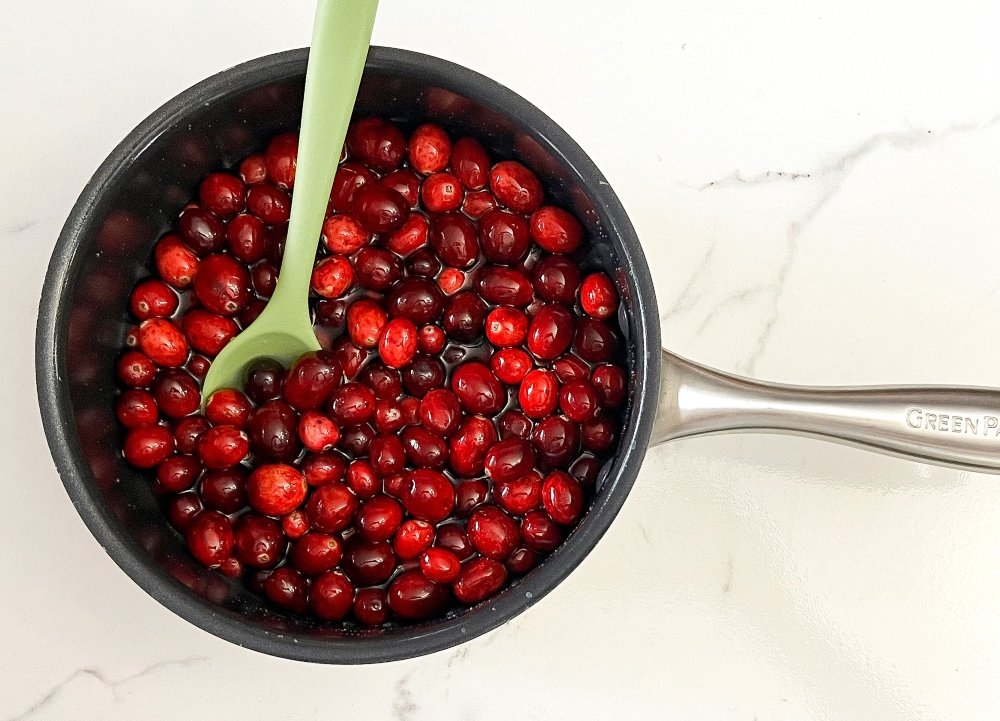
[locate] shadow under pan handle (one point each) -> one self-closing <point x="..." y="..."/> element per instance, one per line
<point x="958" y="426"/>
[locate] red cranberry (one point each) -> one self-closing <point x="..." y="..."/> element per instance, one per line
<point x="398" y="343"/>
<point x="323" y="468"/>
<point x="177" y="473"/>
<point x="182" y="509"/>
<point x="209" y="538"/>
<point x="379" y="518"/>
<point x="597" y="434"/>
<point x="276" y="237"/>
<point x="539" y="532"/>
<point x="516" y="186"/>
<point x="273" y="431"/>
<point x="478" y="203"/>
<point x="253" y="169"/>
<point x="228" y="407"/>
<point x="464" y="317"/>
<point x="429" y="495"/>
<point x="506" y="327"/>
<point x="311" y="380"/>
<point x="492" y="532"/>
<point x="377" y="268"/>
<point x="423" y="375"/>
<point x="379" y="209"/>
<point x="514" y="424"/>
<point x="188" y="431"/>
<point x="371" y="607"/>
<point x="331" y="596"/>
<point x="539" y="393"/>
<point x="175" y="262"/>
<point x="519" y="495"/>
<point x="206" y="332"/>
<point x="349" y="178"/>
<point x="295" y="525"/>
<point x="469" y="495"/>
<point x="222" y="447"/>
<point x="406" y="183"/>
<point x="440" y="565"/>
<point x="522" y="560"/>
<point x="585" y="470"/>
<point x="509" y="459"/>
<point x="410" y="236"/>
<point x="594" y="341"/>
<point x="332" y="277"/>
<point x="222" y="193"/>
<point x="136" y="408"/>
<point x="555" y="230"/>
<point x="440" y="412"/>
<point x="376" y="143"/>
<point x="369" y="563"/>
<point x="578" y="400"/>
<point x="198" y="366"/>
<point x="470" y="163"/>
<point x="504" y="237"/>
<point x="332" y="507"/>
<point x="562" y="497"/>
<point x="412" y="538"/>
<point x="355" y="439"/>
<point x="556" y="279"/>
<point x="452" y="536"/>
<point x="352" y="403"/>
<point x="365" y="320"/>
<point x="269" y="203"/>
<point x="332" y="313"/>
<point x="441" y="193"/>
<point x="224" y="490"/>
<point x="454" y="239"/>
<point x="611" y="385"/>
<point x="568" y="368"/>
<point x="316" y="553"/>
<point x="430" y="149"/>
<point x="221" y="284"/>
<point x="259" y="541"/>
<point x="344" y="235"/>
<point x="280" y="158"/>
<point x="414" y="597"/>
<point x="504" y="286"/>
<point x="510" y="365"/>
<point x="264" y="278"/>
<point x="410" y="408"/>
<point x="362" y="479"/>
<point x="152" y="298"/>
<point x="477" y="389"/>
<point x="247" y="239"/>
<point x="550" y="332"/>
<point x="468" y="447"/>
<point x="387" y="454"/>
<point x="598" y="296"/>
<point x="285" y="587"/>
<point x="276" y="489"/>
<point x="163" y="342"/>
<point x="176" y="393"/>
<point x="385" y="383"/>
<point x="423" y="262"/>
<point x="201" y="231"/>
<point x="424" y="449"/>
<point x="416" y="299"/>
<point x="135" y="369"/>
<point x="317" y="432"/>
<point x="478" y="580"/>
<point x="557" y="440"/>
<point x="451" y="280"/>
<point x="430" y="339"/>
<point x="264" y="379"/>
<point x="350" y="356"/>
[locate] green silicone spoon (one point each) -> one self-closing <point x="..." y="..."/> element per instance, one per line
<point x="284" y="331"/>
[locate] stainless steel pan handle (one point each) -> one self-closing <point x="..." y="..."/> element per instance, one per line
<point x="957" y="426"/>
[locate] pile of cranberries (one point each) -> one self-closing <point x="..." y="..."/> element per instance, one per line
<point x="450" y="433"/>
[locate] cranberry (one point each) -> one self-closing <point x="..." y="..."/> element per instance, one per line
<point x="516" y="186"/>
<point x="182" y="509"/>
<point x="424" y="449"/>
<point x="430" y="339"/>
<point x="594" y="341"/>
<point x="467" y="448"/>
<point x="163" y="342"/>
<point x="276" y="237"/>
<point x="539" y="393"/>
<point x="464" y="317"/>
<point x="253" y="169"/>
<point x="210" y="538"/>
<point x="225" y="490"/>
<point x="264" y="278"/>
<point x="376" y="143"/>
<point x="440" y="565"/>
<point x="362" y="479"/>
<point x="522" y="560"/>
<point x="222" y="447"/>
<point x="441" y="193"/>
<point x="176" y="393"/>
<point x="514" y="424"/>
<point x="379" y="518"/>
<point x="453" y="537"/>
<point x="578" y="400"/>
<point x="410" y="236"/>
<point x="332" y="313"/>
<point x="331" y="596"/>
<point x="175" y="262"/>
<point x="478" y="580"/>
<point x="365" y="320"/>
<point x="263" y="380"/>
<point x="369" y="563"/>
<point x="555" y="230"/>
<point x="504" y="286"/>
<point x="451" y="280"/>
<point x="350" y="356"/>
<point x="470" y="163"/>
<point x="611" y="385"/>
<point x="428" y="495"/>
<point x="356" y="439"/>
<point x="539" y="532"/>
<point x="519" y="495"/>
<point x="221" y="284"/>
<point x="510" y="365"/>
<point x="323" y="467"/>
<point x="201" y="231"/>
<point x="414" y="597"/>
<point x="276" y="489"/>
<point x="406" y="183"/>
<point x="469" y="495"/>
<point x="371" y="607"/>
<point x="311" y="380"/>
<point x="569" y="367"/>
<point x="228" y="407"/>
<point x="506" y="327"/>
<point x="280" y="158"/>
<point x="246" y="236"/>
<point x="344" y="235"/>
<point x="562" y="497"/>
<point x="295" y="525"/>
<point x="556" y="279"/>
<point x="423" y="375"/>
<point x="379" y="209"/>
<point x="332" y="507"/>
<point x="477" y="389"/>
<point x="440" y="412"/>
<point x="550" y="332"/>
<point x="385" y="383"/>
<point x="585" y="470"/>
<point x="412" y="538"/>
<point x="597" y="434"/>
<point x="332" y="277"/>
<point x="492" y="532"/>
<point x="504" y="237"/>
<point x="423" y="262"/>
<point x="509" y="459"/>
<point x="269" y="203"/>
<point x="317" y="432"/>
<point x="557" y="440"/>
<point x="598" y="296"/>
<point x="177" y="473"/>
<point x="259" y="541"/>
<point x="477" y="203"/>
<point x="352" y="403"/>
<point x="136" y="408"/>
<point x="416" y="299"/>
<point x="135" y="369"/>
<point x="285" y="587"/>
<point x="387" y="454"/>
<point x="187" y="431"/>
<point x="349" y="178"/>
<point x="152" y="298"/>
<point x="198" y="366"/>
<point x="454" y="239"/>
<point x="410" y="408"/>
<point x="273" y="431"/>
<point x="430" y="149"/>
<point x="206" y="332"/>
<point x="398" y="343"/>
<point x="222" y="194"/>
<point x="316" y="553"/>
<point x="377" y="268"/>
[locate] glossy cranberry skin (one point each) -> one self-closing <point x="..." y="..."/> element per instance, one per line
<point x="557" y="440"/>
<point x="264" y="380"/>
<point x="522" y="560"/>
<point x="280" y="159"/>
<point x="201" y="231"/>
<point x="410" y="236"/>
<point x="594" y="341"/>
<point x="365" y="320"/>
<point x="177" y="473"/>
<point x="253" y="169"/>
<point x="369" y="563"/>
<point x="176" y="393"/>
<point x="405" y="182"/>
<point x="386" y="454"/>
<point x="506" y="327"/>
<point x="379" y="209"/>
<point x="509" y="459"/>
<point x="611" y="385"/>
<point x="477" y="389"/>
<point x="352" y="403"/>
<point x="479" y="579"/>
<point x="423" y="375"/>
<point x="562" y="498"/>
<point x="355" y="439"/>
<point x="276" y="489"/>
<point x="451" y="280"/>
<point x="385" y="383"/>
<point x="504" y="286"/>
<point x="332" y="277"/>
<point x="598" y="296"/>
<point x="224" y="490"/>
<point x="516" y="186"/>
<point x="182" y="509"/>
<point x="349" y="178"/>
<point x="578" y="400"/>
<point x="441" y="193"/>
<point x="376" y="143"/>
<point x="377" y="268"/>
<point x="295" y="525"/>
<point x="569" y="367"/>
<point x="344" y="235"/>
<point x="228" y="406"/>
<point x="222" y="193"/>
<point x="311" y="380"/>
<point x="371" y="607"/>
<point x="175" y="263"/>
<point x="467" y="448"/>
<point x="514" y="424"/>
<point x="519" y="495"/>
<point x="469" y="495"/>
<point x="210" y="538"/>
<point x="454" y="239"/>
<point x="504" y="236"/>
<point x="163" y="342"/>
<point x="428" y="495"/>
<point x="273" y="431"/>
<point x="478" y="203"/>
<point x="440" y="412"/>
<point x="413" y="597"/>
<point x="585" y="470"/>
<point x="221" y="284"/>
<point x="316" y="553"/>
<point x="135" y="369"/>
<point x="398" y="343"/>
<point x="492" y="532"/>
<point x="222" y="447"/>
<point x="269" y="203"/>
<point x="362" y="478"/>
<point x="379" y="518"/>
<point x="187" y="431"/>
<point x="470" y="162"/>
<point x="324" y="467"/>
<point x="430" y="149"/>
<point x="556" y="279"/>
<point x="510" y="365"/>
<point x="464" y="316"/>
<point x="285" y="587"/>
<point x="556" y="230"/>
<point x="388" y="415"/>
<point x="550" y="332"/>
<point x="152" y="298"/>
<point x="259" y="542"/>
<point x="264" y="278"/>
<point x="317" y="432"/>
<point x="423" y="262"/>
<point x="332" y="312"/>
<point x="416" y="299"/>
<point x="135" y="408"/>
<point x="440" y="565"/>
<point x="412" y="538"/>
<point x="539" y="393"/>
<point x="331" y="596"/>
<point x="332" y="507"/>
<point x="424" y="449"/>
<point x="539" y="532"/>
<point x="597" y="435"/>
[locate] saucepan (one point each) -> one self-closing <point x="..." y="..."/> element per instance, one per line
<point x="138" y="191"/>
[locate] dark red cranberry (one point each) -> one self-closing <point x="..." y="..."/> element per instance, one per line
<point x="555" y="230"/>
<point x="355" y="439"/>
<point x="135" y="369"/>
<point x="350" y="177"/>
<point x="585" y="470"/>
<point x="273" y="431"/>
<point x="470" y="162"/>
<point x="557" y="440"/>
<point x="198" y="366"/>
<point x="187" y="431"/>
<point x="522" y="560"/>
<point x="597" y="435"/>
<point x="440" y="412"/>
<point x="222" y="447"/>
<point x="556" y="279"/>
<point x="135" y="408"/>
<point x="331" y="596"/>
<point x="550" y="332"/>
<point x="332" y="277"/>
<point x="228" y="406"/>
<point x="539" y="532"/>
<point x="412" y="538"/>
<point x="467" y="448"/>
<point x="221" y="284"/>
<point x="332" y="313"/>
<point x="176" y="393"/>
<point x="369" y="563"/>
<point x="562" y="497"/>
<point x="406" y="183"/>
<point x="504" y="237"/>
<point x="276" y="489"/>
<point x="332" y="507"/>
<point x="201" y="231"/>
<point x="598" y="296"/>
<point x="175" y="263"/>
<point x="152" y="298"/>
<point x="506" y="327"/>
<point x="423" y="375"/>
<point x="477" y="389"/>
<point x="323" y="468"/>
<point x="509" y="459"/>
<point x="269" y="203"/>
<point x="163" y="342"/>
<point x="225" y="490"/>
<point x="516" y="186"/>
<point x="371" y="608"/>
<point x="177" y="473"/>
<point x="222" y="194"/>
<point x="295" y="525"/>
<point x="259" y="541"/>
<point x="365" y="320"/>
<point x="469" y="495"/>
<point x="464" y="317"/>
<point x="387" y="454"/>
<point x="379" y="209"/>
<point x="424" y="449"/>
<point x="428" y="495"/>
<point x="611" y="385"/>
<point x="454" y="239"/>
<point x="430" y="149"/>
<point x="539" y="393"/>
<point x="206" y="332"/>
<point x="594" y="341"/>
<point x="492" y="532"/>
<point x="316" y="553"/>
<point x="350" y="356"/>
<point x="246" y="237"/>
<point x="414" y="597"/>
<point x="379" y="518"/>
<point x="280" y="159"/>
<point x="276" y="237"/>
<point x="510" y="365"/>
<point x="514" y="424"/>
<point x="410" y="236"/>
<point x="519" y="495"/>
<point x="578" y="400"/>
<point x="253" y="169"/>
<point x="362" y="479"/>
<point x="479" y="579"/>
<point x="311" y="380"/>
<point x="285" y="587"/>
<point x="423" y="263"/>
<point x="182" y="509"/>
<point x="344" y="235"/>
<point x="376" y="143"/>
<point x="377" y="268"/>
<point x="416" y="299"/>
<point x="504" y="286"/>
<point x="569" y="367"/>
<point x="478" y="203"/>
<point x="441" y="193"/>
<point x="210" y="538"/>
<point x="263" y="380"/>
<point x="352" y="403"/>
<point x="317" y="431"/>
<point x="440" y="565"/>
<point x="385" y="383"/>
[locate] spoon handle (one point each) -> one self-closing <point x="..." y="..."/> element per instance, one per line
<point x="958" y="426"/>
<point x="341" y="36"/>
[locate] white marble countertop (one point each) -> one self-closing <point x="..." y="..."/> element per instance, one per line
<point x="817" y="188"/>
